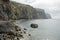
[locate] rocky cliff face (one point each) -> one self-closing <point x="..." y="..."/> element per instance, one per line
<point x="5" y="9"/>
<point x="41" y="13"/>
<point x="22" y="11"/>
<point x="13" y="11"/>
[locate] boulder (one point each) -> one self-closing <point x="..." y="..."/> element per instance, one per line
<point x="34" y="25"/>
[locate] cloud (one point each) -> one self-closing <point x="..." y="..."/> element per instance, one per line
<point x="25" y="1"/>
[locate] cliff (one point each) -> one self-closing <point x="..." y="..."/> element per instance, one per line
<point x="27" y="12"/>
<point x="22" y="11"/>
<point x="13" y="11"/>
<point x="10" y="10"/>
<point x="41" y="13"/>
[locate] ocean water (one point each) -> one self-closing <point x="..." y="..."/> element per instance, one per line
<point x="48" y="29"/>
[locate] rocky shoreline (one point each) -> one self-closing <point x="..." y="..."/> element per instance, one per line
<point x="10" y="31"/>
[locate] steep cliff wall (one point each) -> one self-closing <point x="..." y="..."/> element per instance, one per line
<point x="41" y="13"/>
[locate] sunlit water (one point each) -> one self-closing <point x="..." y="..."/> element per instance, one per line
<point x="49" y="29"/>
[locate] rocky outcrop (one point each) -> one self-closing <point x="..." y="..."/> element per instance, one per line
<point x="10" y="31"/>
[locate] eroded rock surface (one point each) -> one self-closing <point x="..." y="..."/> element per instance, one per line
<point x="10" y="31"/>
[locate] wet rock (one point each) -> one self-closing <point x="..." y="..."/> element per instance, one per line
<point x="18" y="39"/>
<point x="10" y="33"/>
<point x="34" y="25"/>
<point x="25" y="29"/>
<point x="29" y="34"/>
<point x="21" y="36"/>
<point x="24" y="32"/>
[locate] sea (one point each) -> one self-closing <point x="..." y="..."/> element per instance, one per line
<point x="48" y="29"/>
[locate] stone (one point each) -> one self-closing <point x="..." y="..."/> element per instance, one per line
<point x="34" y="25"/>
<point x="29" y="34"/>
<point x="25" y="29"/>
<point x="24" y="32"/>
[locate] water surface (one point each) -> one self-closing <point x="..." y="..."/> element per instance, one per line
<point x="49" y="29"/>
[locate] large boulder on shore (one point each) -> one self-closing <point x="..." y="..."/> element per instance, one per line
<point x="34" y="25"/>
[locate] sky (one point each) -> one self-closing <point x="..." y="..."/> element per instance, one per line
<point x="50" y="6"/>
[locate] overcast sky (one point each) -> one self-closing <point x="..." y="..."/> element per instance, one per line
<point x="50" y="6"/>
